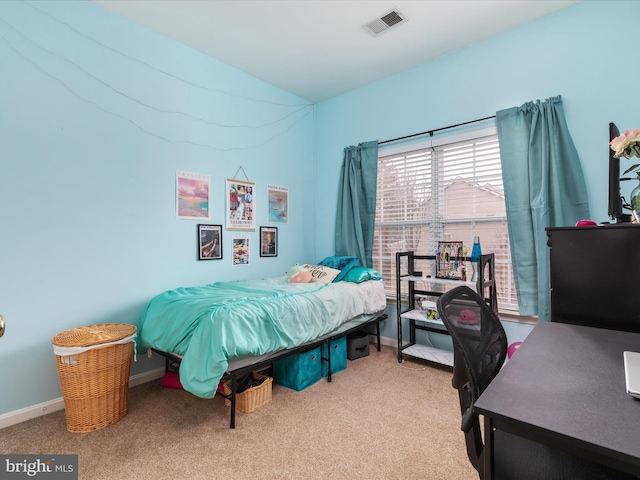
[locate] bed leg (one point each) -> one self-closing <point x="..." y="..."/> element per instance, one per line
<point x="378" y="334"/>
<point x="328" y="361"/>
<point x="233" y="402"/>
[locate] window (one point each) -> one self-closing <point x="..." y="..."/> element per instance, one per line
<point x="450" y="189"/>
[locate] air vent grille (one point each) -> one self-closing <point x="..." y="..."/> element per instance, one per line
<point x="385" y="22"/>
<point x="392" y="18"/>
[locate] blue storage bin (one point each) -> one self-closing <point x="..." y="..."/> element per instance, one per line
<point x="338" y="356"/>
<point x="298" y="371"/>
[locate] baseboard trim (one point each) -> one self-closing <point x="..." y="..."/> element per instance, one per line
<point x="145" y="377"/>
<point x="34" y="411"/>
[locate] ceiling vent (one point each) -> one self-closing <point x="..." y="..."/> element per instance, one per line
<point x="385" y="22"/>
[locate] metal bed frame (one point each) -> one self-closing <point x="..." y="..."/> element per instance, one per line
<point x="264" y="362"/>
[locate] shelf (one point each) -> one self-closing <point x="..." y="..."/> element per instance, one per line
<point x="420" y="316"/>
<point x="431" y="354"/>
<point x="420" y="291"/>
<point x="440" y="281"/>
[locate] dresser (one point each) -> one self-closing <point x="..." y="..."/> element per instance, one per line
<point x="595" y="275"/>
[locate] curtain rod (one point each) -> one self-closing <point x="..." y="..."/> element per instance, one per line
<point x="431" y="132"/>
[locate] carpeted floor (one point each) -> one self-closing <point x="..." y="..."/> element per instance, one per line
<point x="377" y="419"/>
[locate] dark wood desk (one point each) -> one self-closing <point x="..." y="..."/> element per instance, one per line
<point x="565" y="388"/>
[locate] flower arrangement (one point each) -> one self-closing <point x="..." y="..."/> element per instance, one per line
<point x="627" y="145"/>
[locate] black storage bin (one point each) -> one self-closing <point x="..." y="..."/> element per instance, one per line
<point x="357" y="345"/>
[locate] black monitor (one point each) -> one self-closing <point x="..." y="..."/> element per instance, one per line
<point x="615" y="198"/>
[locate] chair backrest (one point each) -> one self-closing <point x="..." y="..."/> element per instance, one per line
<point x="480" y="349"/>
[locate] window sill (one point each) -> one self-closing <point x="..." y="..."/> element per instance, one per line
<point x="511" y="317"/>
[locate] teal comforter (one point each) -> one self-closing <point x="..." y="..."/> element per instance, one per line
<point x="211" y="324"/>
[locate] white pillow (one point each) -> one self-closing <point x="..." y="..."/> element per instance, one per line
<point x="321" y="273"/>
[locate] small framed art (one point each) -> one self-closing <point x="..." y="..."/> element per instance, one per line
<point x="209" y="242"/>
<point x="240" y="250"/>
<point x="268" y="241"/>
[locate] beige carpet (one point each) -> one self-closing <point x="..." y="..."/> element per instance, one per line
<point x="377" y="419"/>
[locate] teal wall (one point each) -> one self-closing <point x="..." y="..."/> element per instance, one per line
<point x="584" y="53"/>
<point x="96" y="115"/>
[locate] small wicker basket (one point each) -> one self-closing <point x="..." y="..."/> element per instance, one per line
<point x="252" y="398"/>
<point x="95" y="381"/>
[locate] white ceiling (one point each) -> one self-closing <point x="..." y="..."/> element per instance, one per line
<point x="317" y="49"/>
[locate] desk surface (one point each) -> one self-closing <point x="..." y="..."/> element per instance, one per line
<point x="565" y="387"/>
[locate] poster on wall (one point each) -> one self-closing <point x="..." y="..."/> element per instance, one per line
<point x="240" y="205"/>
<point x="192" y="195"/>
<point x="240" y="250"/>
<point x="209" y="242"/>
<point x="278" y="204"/>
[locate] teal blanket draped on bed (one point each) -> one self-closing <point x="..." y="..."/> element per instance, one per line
<point x="211" y="324"/>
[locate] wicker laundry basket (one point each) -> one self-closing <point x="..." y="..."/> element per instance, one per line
<point x="93" y="366"/>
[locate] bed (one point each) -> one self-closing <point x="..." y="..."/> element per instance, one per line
<point x="219" y="331"/>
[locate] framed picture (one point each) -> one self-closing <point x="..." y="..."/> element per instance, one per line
<point x="240" y="250"/>
<point x="268" y="241"/>
<point x="241" y="201"/>
<point x="209" y="242"/>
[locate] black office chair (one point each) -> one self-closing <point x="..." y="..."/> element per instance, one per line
<point x="480" y="349"/>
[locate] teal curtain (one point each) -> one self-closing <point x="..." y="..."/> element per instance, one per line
<point x="544" y="187"/>
<point x="355" y="219"/>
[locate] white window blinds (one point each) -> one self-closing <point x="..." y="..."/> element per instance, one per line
<point x="451" y="192"/>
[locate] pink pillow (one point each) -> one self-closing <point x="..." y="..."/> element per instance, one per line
<point x="303" y="276"/>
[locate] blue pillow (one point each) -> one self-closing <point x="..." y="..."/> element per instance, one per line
<point x="362" y="274"/>
<point x="343" y="263"/>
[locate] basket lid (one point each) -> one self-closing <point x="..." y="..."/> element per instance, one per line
<point x="93" y="335"/>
